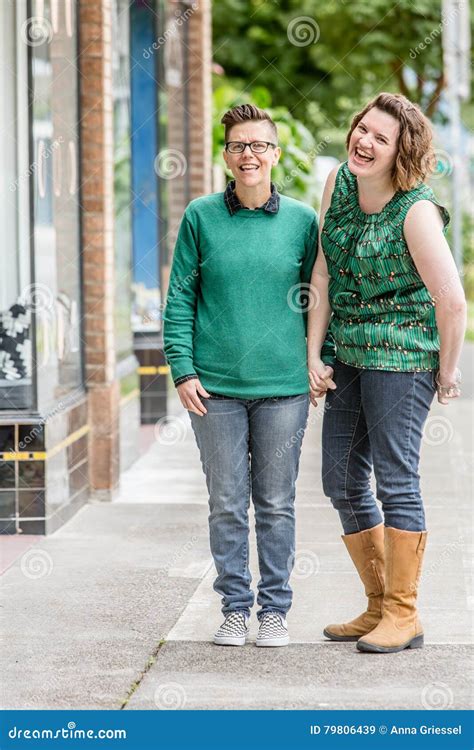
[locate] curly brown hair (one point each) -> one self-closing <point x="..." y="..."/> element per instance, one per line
<point x="415" y="159"/>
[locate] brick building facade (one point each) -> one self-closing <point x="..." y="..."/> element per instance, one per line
<point x="83" y="366"/>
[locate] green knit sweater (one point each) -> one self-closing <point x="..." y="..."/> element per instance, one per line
<point x="383" y="315"/>
<point x="235" y="313"/>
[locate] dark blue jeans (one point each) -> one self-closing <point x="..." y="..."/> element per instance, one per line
<point x="251" y="448"/>
<point x="374" y="420"/>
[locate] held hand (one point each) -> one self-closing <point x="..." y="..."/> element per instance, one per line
<point x="448" y="386"/>
<point x="189" y="393"/>
<point x="320" y="380"/>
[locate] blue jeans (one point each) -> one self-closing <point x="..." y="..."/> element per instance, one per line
<point x="374" y="419"/>
<point x="252" y="448"/>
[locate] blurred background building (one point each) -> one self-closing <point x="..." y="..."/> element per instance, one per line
<point x="106" y="136"/>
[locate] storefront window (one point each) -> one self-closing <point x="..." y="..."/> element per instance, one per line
<point x="145" y="207"/>
<point x="55" y="294"/>
<point x="16" y="389"/>
<point x="122" y="176"/>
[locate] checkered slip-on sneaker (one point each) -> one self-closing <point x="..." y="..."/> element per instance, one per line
<point x="273" y="630"/>
<point x="233" y="631"/>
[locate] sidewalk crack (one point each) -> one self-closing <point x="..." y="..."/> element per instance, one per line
<point x="136" y="684"/>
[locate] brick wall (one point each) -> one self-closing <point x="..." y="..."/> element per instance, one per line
<point x="190" y="116"/>
<point x="200" y="99"/>
<point x="95" y="61"/>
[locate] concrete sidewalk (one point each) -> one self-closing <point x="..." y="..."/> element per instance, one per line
<point x="116" y="609"/>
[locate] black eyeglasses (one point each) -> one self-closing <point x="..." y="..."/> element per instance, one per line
<point x="256" y="147"/>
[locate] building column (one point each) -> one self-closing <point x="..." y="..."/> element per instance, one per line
<point x="189" y="115"/>
<point x="200" y="99"/>
<point x="97" y="191"/>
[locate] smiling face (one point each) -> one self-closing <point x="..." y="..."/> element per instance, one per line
<point x="252" y="170"/>
<point x="373" y="144"/>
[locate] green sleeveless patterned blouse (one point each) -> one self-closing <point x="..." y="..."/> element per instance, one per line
<point x="383" y="315"/>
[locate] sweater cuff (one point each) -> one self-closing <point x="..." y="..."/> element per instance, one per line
<point x="184" y="378"/>
<point x="181" y="366"/>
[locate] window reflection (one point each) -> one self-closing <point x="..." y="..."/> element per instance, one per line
<point x="56" y="209"/>
<point x="15" y="174"/>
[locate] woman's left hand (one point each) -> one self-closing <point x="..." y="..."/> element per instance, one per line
<point x="320" y="380"/>
<point x="448" y="386"/>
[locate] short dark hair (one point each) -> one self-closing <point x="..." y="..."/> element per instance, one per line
<point x="246" y="113"/>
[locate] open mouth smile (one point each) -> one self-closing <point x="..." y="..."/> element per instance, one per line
<point x="362" y="155"/>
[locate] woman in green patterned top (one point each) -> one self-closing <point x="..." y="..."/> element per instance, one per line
<point x="387" y="282"/>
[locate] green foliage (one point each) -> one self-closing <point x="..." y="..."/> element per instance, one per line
<point x="357" y="48"/>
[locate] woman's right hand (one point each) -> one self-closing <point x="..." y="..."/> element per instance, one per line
<point x="189" y="393"/>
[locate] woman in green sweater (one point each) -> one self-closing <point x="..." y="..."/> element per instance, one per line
<point x="235" y="338"/>
<point x="398" y="317"/>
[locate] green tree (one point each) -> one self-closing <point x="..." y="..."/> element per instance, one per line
<point x="323" y="58"/>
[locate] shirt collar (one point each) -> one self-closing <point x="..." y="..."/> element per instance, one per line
<point x="233" y="203"/>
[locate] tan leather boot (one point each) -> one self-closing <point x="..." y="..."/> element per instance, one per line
<point x="366" y="549"/>
<point x="400" y="626"/>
